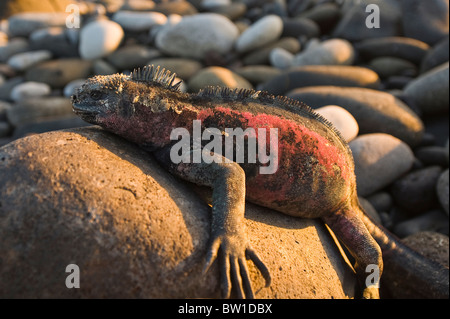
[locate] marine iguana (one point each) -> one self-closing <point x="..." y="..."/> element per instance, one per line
<point x="314" y="176"/>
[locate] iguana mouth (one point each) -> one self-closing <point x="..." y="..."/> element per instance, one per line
<point x="85" y="112"/>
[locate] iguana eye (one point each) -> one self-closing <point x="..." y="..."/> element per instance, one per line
<point x="96" y="95"/>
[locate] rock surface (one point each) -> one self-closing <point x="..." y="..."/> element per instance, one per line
<point x="88" y="198"/>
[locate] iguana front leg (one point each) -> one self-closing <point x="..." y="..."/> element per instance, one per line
<point x="228" y="238"/>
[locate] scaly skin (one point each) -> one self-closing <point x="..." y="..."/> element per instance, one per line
<point x="314" y="178"/>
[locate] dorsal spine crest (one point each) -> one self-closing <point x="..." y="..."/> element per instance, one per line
<point x="152" y="75"/>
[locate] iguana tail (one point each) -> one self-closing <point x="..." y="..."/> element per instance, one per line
<point x="410" y="273"/>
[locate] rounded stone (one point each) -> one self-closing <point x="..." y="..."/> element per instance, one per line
<point x="281" y="58"/>
<point x="435" y="220"/>
<point x="341" y="119"/>
<point x="217" y="76"/>
<point x="39" y="109"/>
<point x="132" y="56"/>
<point x="391" y="66"/>
<point x="29" y="90"/>
<point x="442" y="190"/>
<point x="436" y="56"/>
<point x="12" y="47"/>
<point x="196" y="36"/>
<point x="22" y="24"/>
<point x="261" y="56"/>
<point x="260" y="33"/>
<point x="57" y="73"/>
<point x="415" y="192"/>
<point x="379" y="160"/>
<point x="257" y="74"/>
<point x="430" y="90"/>
<point x="99" y="38"/>
<point x="432" y="245"/>
<point x="144" y="233"/>
<point x="426" y="21"/>
<point x="24" y="60"/>
<point x="329" y="52"/>
<point x="375" y="111"/>
<point x="400" y="47"/>
<point x="138" y="21"/>
<point x="322" y="75"/>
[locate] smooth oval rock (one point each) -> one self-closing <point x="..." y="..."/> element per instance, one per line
<point x="432" y="245"/>
<point x="442" y="190"/>
<point x="379" y="160"/>
<point x="13" y="46"/>
<point x="38" y="109"/>
<point x="60" y="41"/>
<point x="24" y="60"/>
<point x="375" y="111"/>
<point x="426" y="21"/>
<point x="29" y="90"/>
<point x="415" y="192"/>
<point x="138" y="21"/>
<point x="329" y="52"/>
<point x="300" y="27"/>
<point x="132" y="56"/>
<point x="435" y="221"/>
<point x="260" y="33"/>
<point x="57" y="73"/>
<point x="257" y="74"/>
<point x="144" y="233"/>
<point x="391" y="66"/>
<point x="281" y="58"/>
<point x="430" y="90"/>
<point x="436" y="56"/>
<point x="99" y="38"/>
<point x="22" y="24"/>
<point x="217" y="76"/>
<point x="261" y="56"/>
<point x="197" y="35"/>
<point x="400" y="47"/>
<point x="322" y="75"/>
<point x="341" y="119"/>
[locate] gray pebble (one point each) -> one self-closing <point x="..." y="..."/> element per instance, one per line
<point x="197" y="35"/>
<point x="435" y="220"/>
<point x="442" y="190"/>
<point x="24" y="60"/>
<point x="430" y="90"/>
<point x="379" y="160"/>
<point x="28" y="90"/>
<point x="415" y="192"/>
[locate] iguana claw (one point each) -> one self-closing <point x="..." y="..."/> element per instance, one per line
<point x="233" y="266"/>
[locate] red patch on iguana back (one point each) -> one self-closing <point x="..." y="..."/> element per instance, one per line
<point x="293" y="138"/>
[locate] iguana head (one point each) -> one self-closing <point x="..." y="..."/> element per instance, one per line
<point x="128" y="105"/>
<point x="116" y="96"/>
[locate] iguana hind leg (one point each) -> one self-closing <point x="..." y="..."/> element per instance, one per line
<point x="351" y="231"/>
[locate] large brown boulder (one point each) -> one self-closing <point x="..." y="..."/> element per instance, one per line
<point x="87" y="197"/>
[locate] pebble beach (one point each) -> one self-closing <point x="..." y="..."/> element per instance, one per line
<point x="382" y="80"/>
